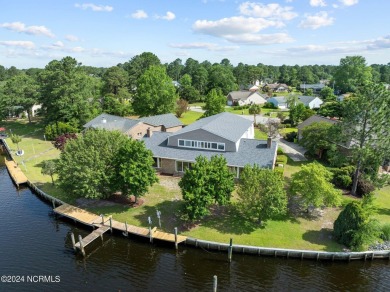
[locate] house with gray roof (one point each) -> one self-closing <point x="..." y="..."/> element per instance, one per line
<point x="311" y="120"/>
<point x="311" y="101"/>
<point x="279" y="101"/>
<point x="245" y="97"/>
<point x="136" y="128"/>
<point x="223" y="134"/>
<point x="317" y="87"/>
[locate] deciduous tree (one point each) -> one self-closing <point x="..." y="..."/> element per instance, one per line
<point x="261" y="193"/>
<point x="312" y="184"/>
<point x="215" y="103"/>
<point x="155" y="93"/>
<point x="49" y="167"/>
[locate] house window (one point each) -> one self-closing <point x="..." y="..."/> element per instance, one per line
<point x="181" y="166"/>
<point x="157" y="162"/>
<point x="201" y="144"/>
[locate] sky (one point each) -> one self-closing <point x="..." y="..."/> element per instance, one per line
<point x="104" y="33"/>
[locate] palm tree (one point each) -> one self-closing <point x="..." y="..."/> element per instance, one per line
<point x="254" y="110"/>
<point x="16" y="139"/>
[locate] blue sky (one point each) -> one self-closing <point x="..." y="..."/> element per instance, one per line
<point x="105" y="33"/>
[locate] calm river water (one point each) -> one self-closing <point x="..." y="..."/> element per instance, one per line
<point x="33" y="243"/>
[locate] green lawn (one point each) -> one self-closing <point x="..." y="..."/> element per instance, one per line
<point x="291" y="231"/>
<point x="190" y="117"/>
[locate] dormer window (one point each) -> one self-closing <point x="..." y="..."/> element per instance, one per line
<point x="201" y="144"/>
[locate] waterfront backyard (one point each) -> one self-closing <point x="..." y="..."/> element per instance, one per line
<point x="296" y="230"/>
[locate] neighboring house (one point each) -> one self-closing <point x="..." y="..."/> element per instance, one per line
<point x="226" y="134"/>
<point x="253" y="88"/>
<point x="245" y="98"/>
<point x="136" y="128"/>
<point x="310" y="101"/>
<point x="276" y="87"/>
<point x="278" y="101"/>
<point x="311" y="120"/>
<point x="317" y="87"/>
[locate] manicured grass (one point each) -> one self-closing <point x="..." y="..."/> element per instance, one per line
<point x="260" y="135"/>
<point x="287" y="130"/>
<point x="291" y="231"/>
<point x="190" y="117"/>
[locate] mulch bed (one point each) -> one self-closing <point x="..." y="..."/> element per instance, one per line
<point x="130" y="201"/>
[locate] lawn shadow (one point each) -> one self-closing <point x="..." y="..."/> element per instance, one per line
<point x="169" y="215"/>
<point x="228" y="219"/>
<point x="322" y="237"/>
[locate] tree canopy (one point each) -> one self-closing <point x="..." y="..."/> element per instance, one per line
<point x="215" y="103"/>
<point x="312" y="184"/>
<point x="155" y="93"/>
<point x="204" y="183"/>
<point x="261" y="193"/>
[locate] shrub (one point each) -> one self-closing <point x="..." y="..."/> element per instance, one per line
<point x="269" y="105"/>
<point x="385" y="229"/>
<point x="287" y="121"/>
<point x="342" y="177"/>
<point x="281" y="159"/>
<point x="54" y="130"/>
<point x="364" y="187"/>
<point x="241" y="107"/>
<point x="290" y="137"/>
<point x="279" y="170"/>
<point x="280" y="151"/>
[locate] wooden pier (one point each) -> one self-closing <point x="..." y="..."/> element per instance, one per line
<point x="107" y="223"/>
<point x="15" y="172"/>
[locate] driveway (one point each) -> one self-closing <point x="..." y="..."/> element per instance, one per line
<point x="292" y="150"/>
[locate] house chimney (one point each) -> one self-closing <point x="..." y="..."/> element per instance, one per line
<point x="269" y="142"/>
<point x="149" y="132"/>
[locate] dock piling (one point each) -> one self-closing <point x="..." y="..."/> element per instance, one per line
<point x="215" y="284"/>
<point x="176" y="246"/>
<point x="73" y="241"/>
<point x="111" y="224"/>
<point x="150" y="234"/>
<point x="126" y="232"/>
<point x="230" y="250"/>
<point x="81" y="245"/>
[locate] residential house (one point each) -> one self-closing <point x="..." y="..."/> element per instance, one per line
<point x="317" y="87"/>
<point x="223" y="134"/>
<point x="311" y="101"/>
<point x="245" y="98"/>
<point x="279" y="101"/>
<point x="276" y="87"/>
<point x="311" y="120"/>
<point x="136" y="128"/>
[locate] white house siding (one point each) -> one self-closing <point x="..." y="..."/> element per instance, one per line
<point x="315" y="103"/>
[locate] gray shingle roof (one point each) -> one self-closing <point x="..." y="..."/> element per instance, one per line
<point x="225" y="125"/>
<point x="251" y="151"/>
<point x="280" y="99"/>
<point x="111" y="123"/>
<point x="315" y="119"/>
<point x="240" y="95"/>
<point x="168" y="120"/>
<point x="306" y="99"/>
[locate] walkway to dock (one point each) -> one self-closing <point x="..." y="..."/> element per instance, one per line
<point x="107" y="223"/>
<point x="16" y="173"/>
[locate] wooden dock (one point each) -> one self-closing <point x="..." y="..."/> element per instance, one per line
<point x="107" y="223"/>
<point x="15" y="172"/>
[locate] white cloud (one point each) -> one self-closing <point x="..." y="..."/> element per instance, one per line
<point x="72" y="38"/>
<point x="316" y="21"/>
<point x="349" y="2"/>
<point x="21" y="44"/>
<point x="350" y="47"/>
<point x="317" y="3"/>
<point x="168" y="16"/>
<point x="234" y="25"/>
<point x="139" y="14"/>
<point x="58" y="44"/>
<point x="205" y="46"/>
<point x="272" y="10"/>
<point x="94" y="7"/>
<point x="33" y="30"/>
<point x="243" y="30"/>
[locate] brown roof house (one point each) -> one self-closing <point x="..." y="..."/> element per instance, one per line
<point x="223" y="134"/>
<point x="136" y="128"/>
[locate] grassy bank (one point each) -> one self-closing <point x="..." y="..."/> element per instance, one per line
<point x="296" y="230"/>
